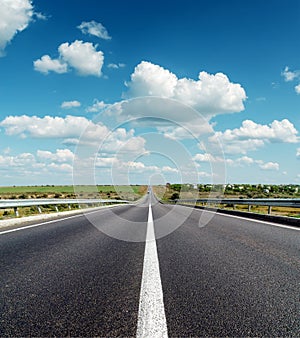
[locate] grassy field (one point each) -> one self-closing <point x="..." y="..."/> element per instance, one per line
<point x="70" y="191"/>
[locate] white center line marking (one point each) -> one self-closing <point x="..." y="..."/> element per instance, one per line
<point x="151" y="318"/>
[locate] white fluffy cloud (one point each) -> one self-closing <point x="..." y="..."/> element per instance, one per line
<point x="277" y="131"/>
<point x="15" y="15"/>
<point x="64" y="167"/>
<point x="106" y="162"/>
<point x="289" y="75"/>
<point x="94" y="28"/>
<point x="251" y="136"/>
<point x="170" y="117"/>
<point x="149" y="79"/>
<point x="269" y="166"/>
<point x="116" y="65"/>
<point x="48" y="126"/>
<point x="75" y="130"/>
<point x="79" y="55"/>
<point x="187" y="130"/>
<point x="123" y="143"/>
<point x="298" y="152"/>
<point x="204" y="158"/>
<point x="18" y="161"/>
<point x="70" y="104"/>
<point x="245" y="160"/>
<point x="209" y="158"/>
<point x="240" y="162"/>
<point x="60" y="156"/>
<point x="44" y="165"/>
<point x="45" y="65"/>
<point x="83" y="57"/>
<point x="210" y="94"/>
<point x="97" y="107"/>
<point x="177" y="108"/>
<point x="168" y="169"/>
<point x="130" y="166"/>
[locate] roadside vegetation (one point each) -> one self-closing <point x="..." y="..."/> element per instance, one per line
<point x="171" y="192"/>
<point x="130" y="193"/>
<point x="168" y="192"/>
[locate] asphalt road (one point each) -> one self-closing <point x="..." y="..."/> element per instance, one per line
<point x="82" y="276"/>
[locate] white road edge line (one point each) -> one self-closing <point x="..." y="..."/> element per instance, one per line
<point x="253" y="220"/>
<point x="151" y="317"/>
<point x="52" y="221"/>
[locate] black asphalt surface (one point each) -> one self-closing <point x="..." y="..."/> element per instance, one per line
<point x="70" y="279"/>
<point x="233" y="277"/>
<point x="221" y="275"/>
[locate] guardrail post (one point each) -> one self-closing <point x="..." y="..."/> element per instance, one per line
<point x="16" y="211"/>
<point x="56" y="208"/>
<point x="249" y="207"/>
<point x="69" y="206"/>
<point x="39" y="209"/>
<point x="269" y="209"/>
<point x="234" y="207"/>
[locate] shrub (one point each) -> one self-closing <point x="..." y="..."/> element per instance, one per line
<point x="175" y="196"/>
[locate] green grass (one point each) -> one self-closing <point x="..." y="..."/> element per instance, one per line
<point x="66" y="189"/>
<point x="70" y="191"/>
<point x="36" y="189"/>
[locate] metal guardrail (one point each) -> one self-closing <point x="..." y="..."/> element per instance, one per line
<point x="269" y="202"/>
<point x="18" y="203"/>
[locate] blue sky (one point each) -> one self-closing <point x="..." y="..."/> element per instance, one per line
<point x="152" y="91"/>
